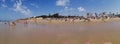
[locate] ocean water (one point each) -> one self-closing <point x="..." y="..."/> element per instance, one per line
<point x="101" y="33"/>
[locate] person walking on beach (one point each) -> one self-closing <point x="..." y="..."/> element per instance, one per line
<point x="12" y="24"/>
<point x="25" y="22"/>
<point x="73" y="19"/>
<point x="87" y="17"/>
<point x="103" y="16"/>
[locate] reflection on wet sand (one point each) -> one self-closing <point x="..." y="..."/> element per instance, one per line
<point x="102" y="33"/>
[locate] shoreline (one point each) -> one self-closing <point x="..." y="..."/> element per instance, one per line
<point x="44" y="21"/>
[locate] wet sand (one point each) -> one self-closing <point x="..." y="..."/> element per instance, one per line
<point x="100" y="33"/>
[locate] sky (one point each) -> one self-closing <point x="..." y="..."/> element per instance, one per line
<point x="17" y="9"/>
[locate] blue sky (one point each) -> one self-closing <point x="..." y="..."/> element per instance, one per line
<point x="16" y="9"/>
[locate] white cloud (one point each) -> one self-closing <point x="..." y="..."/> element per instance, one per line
<point x="34" y="5"/>
<point x="62" y="2"/>
<point x="18" y="7"/>
<point x="81" y="9"/>
<point x="67" y="9"/>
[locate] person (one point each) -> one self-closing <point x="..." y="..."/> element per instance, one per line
<point x="103" y="18"/>
<point x="73" y="19"/>
<point x="86" y="19"/>
<point x="65" y="19"/>
<point x="25" y="22"/>
<point x="12" y="23"/>
<point x="5" y="23"/>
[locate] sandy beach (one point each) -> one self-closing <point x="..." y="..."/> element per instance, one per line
<point x="59" y="21"/>
<point x="61" y="33"/>
<point x="69" y="21"/>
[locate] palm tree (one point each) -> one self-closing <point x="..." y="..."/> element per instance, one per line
<point x="56" y="15"/>
<point x="88" y="15"/>
<point x="96" y="15"/>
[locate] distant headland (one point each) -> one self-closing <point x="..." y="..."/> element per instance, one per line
<point x="57" y="18"/>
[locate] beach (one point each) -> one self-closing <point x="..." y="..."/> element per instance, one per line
<point x="69" y="21"/>
<point x="94" y="32"/>
<point x="59" y="21"/>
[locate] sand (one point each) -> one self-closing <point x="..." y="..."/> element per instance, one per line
<point x="61" y="33"/>
<point x="62" y="22"/>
